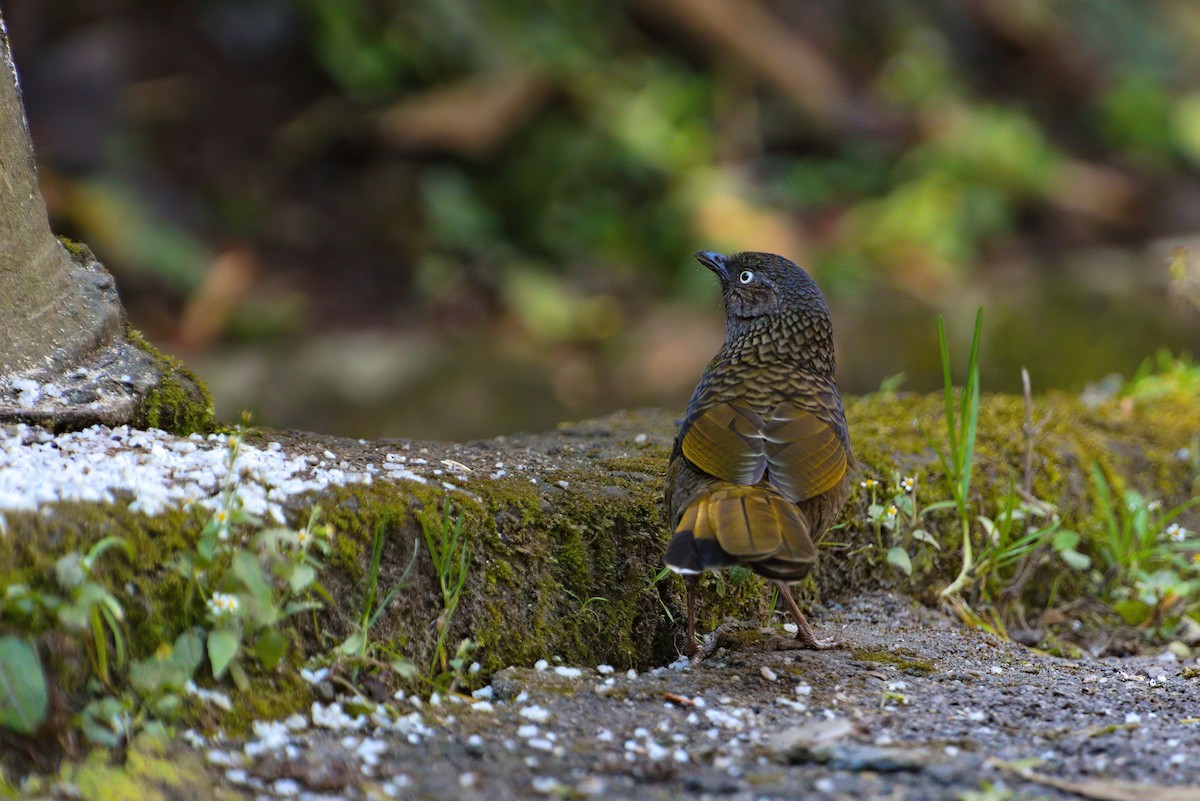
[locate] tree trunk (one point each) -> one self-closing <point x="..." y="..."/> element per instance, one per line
<point x="54" y="311"/>
<point x="65" y="359"/>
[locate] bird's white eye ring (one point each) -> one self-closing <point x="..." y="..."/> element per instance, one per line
<point x="746" y="277"/>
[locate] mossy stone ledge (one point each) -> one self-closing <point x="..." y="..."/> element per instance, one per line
<point x="566" y="529"/>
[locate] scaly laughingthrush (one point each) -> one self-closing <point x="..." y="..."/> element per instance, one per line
<point x="760" y="467"/>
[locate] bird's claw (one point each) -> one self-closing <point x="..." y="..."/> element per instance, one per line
<point x="801" y="643"/>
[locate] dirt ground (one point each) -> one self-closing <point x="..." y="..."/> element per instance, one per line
<point x="916" y="707"/>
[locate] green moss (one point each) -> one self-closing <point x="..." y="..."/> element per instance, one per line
<point x="151" y="771"/>
<point x="273" y="697"/>
<point x="78" y="251"/>
<point x="903" y="659"/>
<point x="1137" y="450"/>
<point x="179" y="403"/>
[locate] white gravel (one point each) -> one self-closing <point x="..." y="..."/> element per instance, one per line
<point x="157" y="471"/>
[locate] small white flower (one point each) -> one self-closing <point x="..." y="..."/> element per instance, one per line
<point x="870" y="483"/>
<point x="908" y="483"/>
<point x="1177" y="533"/>
<point x="891" y="511"/>
<point x="303" y="537"/>
<point x="1154" y="505"/>
<point x="222" y="604"/>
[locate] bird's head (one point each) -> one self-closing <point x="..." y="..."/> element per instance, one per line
<point x="768" y="298"/>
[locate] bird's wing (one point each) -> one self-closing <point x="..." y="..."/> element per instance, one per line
<point x="796" y="449"/>
<point x="805" y="455"/>
<point x="725" y="441"/>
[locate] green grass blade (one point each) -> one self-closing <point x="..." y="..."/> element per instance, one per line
<point x="970" y="418"/>
<point x="972" y="366"/>
<point x="951" y="433"/>
<point x="1113" y="546"/>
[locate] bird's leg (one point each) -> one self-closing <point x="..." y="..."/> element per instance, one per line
<point x="692" y="583"/>
<point x="805" y="638"/>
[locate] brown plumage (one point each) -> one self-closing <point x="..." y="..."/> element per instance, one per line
<point x="761" y="464"/>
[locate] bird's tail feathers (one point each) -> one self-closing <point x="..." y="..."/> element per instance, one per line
<point x="737" y="523"/>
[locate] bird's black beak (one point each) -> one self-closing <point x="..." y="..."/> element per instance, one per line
<point x="715" y="262"/>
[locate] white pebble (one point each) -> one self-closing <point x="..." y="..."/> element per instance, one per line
<point x="546" y="785"/>
<point x="287" y="787"/>
<point x="537" y="714"/>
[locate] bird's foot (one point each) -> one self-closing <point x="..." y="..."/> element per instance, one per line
<point x="801" y="643"/>
<point x="718" y="637"/>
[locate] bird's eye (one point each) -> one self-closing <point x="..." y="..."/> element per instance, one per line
<point x="746" y="277"/>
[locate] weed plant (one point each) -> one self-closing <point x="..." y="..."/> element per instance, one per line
<point x="450" y="553"/>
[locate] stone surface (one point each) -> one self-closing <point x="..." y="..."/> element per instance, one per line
<point x="981" y="712"/>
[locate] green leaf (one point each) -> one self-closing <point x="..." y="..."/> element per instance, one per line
<point x="1133" y="611"/>
<point x="69" y="572"/>
<point x="922" y="535"/>
<point x="354" y="645"/>
<point x="898" y="558"/>
<point x="1065" y="540"/>
<point x="149" y="676"/>
<point x="270" y="648"/>
<point x="104" y="721"/>
<point x="301" y="577"/>
<point x="188" y="652"/>
<point x="23" y="698"/>
<point x="169" y="669"/>
<point x="1074" y="559"/>
<point x="295" y="607"/>
<point x="168" y="706"/>
<point x="206" y="547"/>
<point x="74" y="618"/>
<point x="240" y="679"/>
<point x="222" y="648"/>
<point x="404" y="668"/>
<point x="249" y="572"/>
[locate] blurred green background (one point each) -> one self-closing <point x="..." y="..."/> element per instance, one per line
<point x="451" y="219"/>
